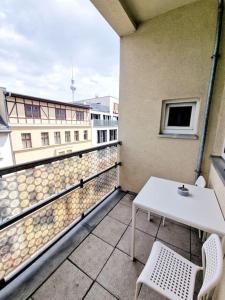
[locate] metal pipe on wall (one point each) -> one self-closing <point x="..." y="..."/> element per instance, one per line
<point x="211" y="84"/>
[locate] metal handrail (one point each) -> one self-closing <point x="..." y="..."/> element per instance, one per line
<point x="35" y="163"/>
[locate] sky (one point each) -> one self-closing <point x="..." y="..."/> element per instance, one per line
<point x="42" y="39"/>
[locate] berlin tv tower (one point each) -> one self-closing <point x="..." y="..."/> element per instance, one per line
<point x="72" y="86"/>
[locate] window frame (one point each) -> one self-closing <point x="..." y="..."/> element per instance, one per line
<point x="44" y="138"/>
<point x="85" y="135"/>
<point x="57" y="135"/>
<point x="67" y="136"/>
<point x="76" y="135"/>
<point x="31" y="115"/>
<point x="182" y="130"/>
<point x="101" y="134"/>
<point x="112" y="133"/>
<point x="59" y="115"/>
<point x="79" y="115"/>
<point x="26" y="141"/>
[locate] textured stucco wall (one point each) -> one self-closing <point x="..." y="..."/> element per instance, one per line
<point x="168" y="57"/>
<point x="216" y="183"/>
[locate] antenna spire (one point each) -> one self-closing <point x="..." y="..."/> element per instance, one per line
<point x="72" y="86"/>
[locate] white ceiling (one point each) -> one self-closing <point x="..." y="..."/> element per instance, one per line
<point x="142" y="10"/>
<point x="125" y="15"/>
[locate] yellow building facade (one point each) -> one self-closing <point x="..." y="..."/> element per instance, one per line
<point x="43" y="128"/>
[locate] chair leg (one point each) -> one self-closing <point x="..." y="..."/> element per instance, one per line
<point x="204" y="236"/>
<point x="199" y="234"/>
<point x="138" y="287"/>
<point x="163" y="222"/>
<point x="149" y="216"/>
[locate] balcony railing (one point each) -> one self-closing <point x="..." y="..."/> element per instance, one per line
<point x="41" y="200"/>
<point x="104" y="123"/>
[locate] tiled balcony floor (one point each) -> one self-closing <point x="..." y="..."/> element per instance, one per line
<point x="100" y="266"/>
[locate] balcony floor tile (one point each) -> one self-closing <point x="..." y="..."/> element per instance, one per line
<point x="100" y="266"/>
<point x="66" y="282"/>
<point x="128" y="199"/>
<point x="143" y="244"/>
<point x="98" y="293"/>
<point x="110" y="230"/>
<point x="146" y="293"/>
<point x="91" y="255"/>
<point x="122" y="213"/>
<point x="120" y="274"/>
<point x="176" y="235"/>
<point x="143" y="224"/>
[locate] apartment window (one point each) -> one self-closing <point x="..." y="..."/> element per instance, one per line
<point x="102" y="136"/>
<point x="67" y="137"/>
<point x="26" y="140"/>
<point x="106" y="117"/>
<point x="79" y="115"/>
<point x="60" y="114"/>
<point x="115" y="108"/>
<point x="85" y="134"/>
<point x="179" y="117"/>
<point x="32" y="111"/>
<point x="76" y="135"/>
<point x="113" y="134"/>
<point x="45" y="138"/>
<point x="57" y="137"/>
<point x="95" y="116"/>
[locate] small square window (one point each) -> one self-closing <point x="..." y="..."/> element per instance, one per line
<point x="179" y="117"/>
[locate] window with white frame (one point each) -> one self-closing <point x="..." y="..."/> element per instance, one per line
<point x="102" y="136"/>
<point x="179" y="117"/>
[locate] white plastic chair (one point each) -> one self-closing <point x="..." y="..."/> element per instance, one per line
<point x="199" y="182"/>
<point x="173" y="276"/>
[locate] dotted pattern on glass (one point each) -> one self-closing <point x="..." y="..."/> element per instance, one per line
<point x="24" y="238"/>
<point x="23" y="189"/>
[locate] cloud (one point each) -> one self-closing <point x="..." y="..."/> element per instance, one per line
<point x="41" y="39"/>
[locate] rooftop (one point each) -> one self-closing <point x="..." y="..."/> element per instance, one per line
<point x="16" y="95"/>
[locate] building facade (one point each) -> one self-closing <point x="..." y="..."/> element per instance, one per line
<point x="104" y="118"/>
<point x="43" y="128"/>
<point x="6" y="157"/>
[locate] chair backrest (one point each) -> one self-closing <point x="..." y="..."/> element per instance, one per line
<point x="200" y="182"/>
<point x="212" y="261"/>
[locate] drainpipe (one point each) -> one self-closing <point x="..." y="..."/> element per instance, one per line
<point x="211" y="83"/>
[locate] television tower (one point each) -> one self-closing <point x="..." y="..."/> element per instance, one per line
<point x="72" y="86"/>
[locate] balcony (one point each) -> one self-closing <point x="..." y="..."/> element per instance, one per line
<point x="104" y="123"/>
<point x="60" y="239"/>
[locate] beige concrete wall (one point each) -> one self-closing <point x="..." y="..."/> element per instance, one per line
<point x="168" y="57"/>
<point x="216" y="183"/>
<point x="38" y="151"/>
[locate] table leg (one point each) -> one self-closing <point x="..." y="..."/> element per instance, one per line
<point x="133" y="231"/>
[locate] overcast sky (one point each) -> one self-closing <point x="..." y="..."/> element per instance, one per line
<point x="41" y="38"/>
